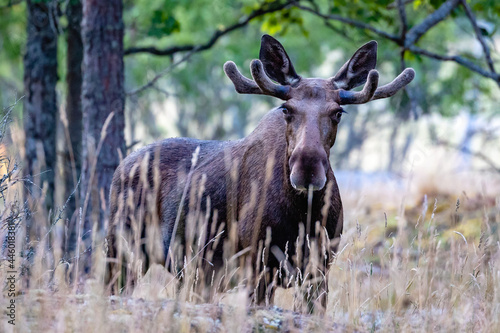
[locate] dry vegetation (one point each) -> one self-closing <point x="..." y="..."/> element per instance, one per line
<point x="424" y="258"/>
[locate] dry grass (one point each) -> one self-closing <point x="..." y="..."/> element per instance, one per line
<point x="425" y="261"/>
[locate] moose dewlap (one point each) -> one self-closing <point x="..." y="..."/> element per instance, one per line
<point x="258" y="212"/>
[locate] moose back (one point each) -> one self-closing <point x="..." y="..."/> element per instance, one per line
<point x="269" y="200"/>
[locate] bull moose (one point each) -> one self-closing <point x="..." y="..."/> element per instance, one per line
<point x="257" y="196"/>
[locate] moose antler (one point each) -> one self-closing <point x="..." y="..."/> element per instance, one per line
<point x="264" y="82"/>
<point x="370" y="91"/>
<point x="261" y="85"/>
<point x="242" y="84"/>
<point x="363" y="96"/>
<point x="398" y="83"/>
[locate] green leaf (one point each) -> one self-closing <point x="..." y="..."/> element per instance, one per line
<point x="436" y="3"/>
<point x="163" y="24"/>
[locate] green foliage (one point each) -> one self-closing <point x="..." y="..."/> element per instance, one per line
<point x="153" y="19"/>
<point x="206" y="94"/>
<point x="12" y="40"/>
<point x="364" y="10"/>
<point x="281" y="22"/>
<point x="163" y="24"/>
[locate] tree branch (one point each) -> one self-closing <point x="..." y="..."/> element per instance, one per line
<point x="415" y="33"/>
<point x="164" y="72"/>
<point x="479" y="36"/>
<point x="402" y="18"/>
<point x="395" y="4"/>
<point x="466" y="150"/>
<point x="349" y="21"/>
<point x="273" y="7"/>
<point x="459" y="60"/>
<point x="403" y="30"/>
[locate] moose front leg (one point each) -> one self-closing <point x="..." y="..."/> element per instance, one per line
<point x="264" y="291"/>
<point x="321" y="301"/>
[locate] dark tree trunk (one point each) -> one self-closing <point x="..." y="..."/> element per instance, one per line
<point x="73" y="128"/>
<point x="40" y="106"/>
<point x="102" y="94"/>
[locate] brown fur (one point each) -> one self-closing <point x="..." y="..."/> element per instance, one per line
<point x="244" y="193"/>
<point x="284" y="207"/>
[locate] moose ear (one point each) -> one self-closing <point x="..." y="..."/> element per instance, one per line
<point x="355" y="71"/>
<point x="277" y="64"/>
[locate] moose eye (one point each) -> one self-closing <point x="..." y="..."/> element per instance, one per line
<point x="338" y="115"/>
<point x="287" y="113"/>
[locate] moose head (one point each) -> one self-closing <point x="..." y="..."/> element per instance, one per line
<point x="313" y="107"/>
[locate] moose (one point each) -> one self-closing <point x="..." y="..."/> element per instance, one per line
<point x="267" y="189"/>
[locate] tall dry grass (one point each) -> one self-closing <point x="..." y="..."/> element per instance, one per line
<point x="205" y="258"/>
<point x="426" y="261"/>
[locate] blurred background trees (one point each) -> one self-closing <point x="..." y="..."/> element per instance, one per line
<point x="72" y="124"/>
<point x="173" y="83"/>
<point x="103" y="101"/>
<point x="40" y="105"/>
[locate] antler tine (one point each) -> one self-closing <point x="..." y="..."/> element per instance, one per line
<point x="398" y="83"/>
<point x="363" y="96"/>
<point x="242" y="84"/>
<point x="265" y="83"/>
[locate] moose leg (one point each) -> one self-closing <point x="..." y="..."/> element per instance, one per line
<point x="322" y="299"/>
<point x="264" y="288"/>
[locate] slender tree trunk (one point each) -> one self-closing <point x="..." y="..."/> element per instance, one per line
<point x="393" y="144"/>
<point x="73" y="125"/>
<point x="465" y="160"/>
<point x="40" y="106"/>
<point x="102" y="94"/>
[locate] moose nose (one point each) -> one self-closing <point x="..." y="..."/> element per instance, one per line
<point x="308" y="168"/>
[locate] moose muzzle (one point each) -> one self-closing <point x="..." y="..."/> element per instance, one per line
<point x="308" y="168"/>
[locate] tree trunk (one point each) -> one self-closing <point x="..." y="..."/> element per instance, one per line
<point x="102" y="94"/>
<point x="40" y="106"/>
<point x="465" y="159"/>
<point x="73" y="124"/>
